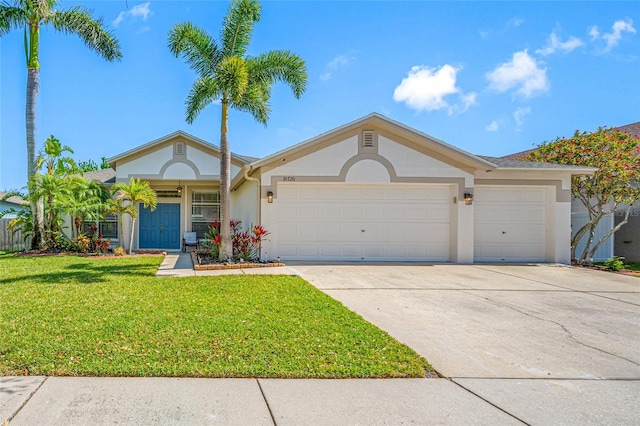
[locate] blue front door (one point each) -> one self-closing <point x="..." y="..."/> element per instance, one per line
<point x="160" y="229"/>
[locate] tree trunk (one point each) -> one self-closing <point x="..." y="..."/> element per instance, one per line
<point x="226" y="249"/>
<point x="610" y="233"/>
<point x="133" y="225"/>
<point x="33" y="84"/>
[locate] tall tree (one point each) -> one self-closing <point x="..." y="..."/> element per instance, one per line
<point x="31" y="15"/>
<point x="228" y="75"/>
<point x="613" y="186"/>
<point x="137" y="191"/>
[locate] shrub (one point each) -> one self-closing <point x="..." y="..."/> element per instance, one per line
<point x="246" y="244"/>
<point x="118" y="251"/>
<point x="82" y="242"/>
<point x="615" y="263"/>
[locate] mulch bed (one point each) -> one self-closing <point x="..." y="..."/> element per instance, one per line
<point x="36" y="253"/>
<point x="202" y="261"/>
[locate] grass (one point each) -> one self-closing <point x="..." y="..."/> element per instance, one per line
<point x="632" y="266"/>
<point x="79" y="316"/>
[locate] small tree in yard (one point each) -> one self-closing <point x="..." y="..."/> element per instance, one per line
<point x="616" y="155"/>
<point x="137" y="191"/>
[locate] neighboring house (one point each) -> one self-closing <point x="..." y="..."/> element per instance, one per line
<point x="8" y="239"/>
<point x="370" y="190"/>
<point x="13" y="202"/>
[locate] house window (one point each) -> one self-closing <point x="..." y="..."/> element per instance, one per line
<point x="205" y="208"/>
<point x="107" y="227"/>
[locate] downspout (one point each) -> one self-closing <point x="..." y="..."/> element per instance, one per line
<point x="257" y="181"/>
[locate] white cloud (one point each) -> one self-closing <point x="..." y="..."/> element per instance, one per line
<point x="618" y="28"/>
<point x="138" y="11"/>
<point x="468" y="100"/>
<point x="515" y="22"/>
<point x="492" y="127"/>
<point x="340" y="61"/>
<point x="522" y="73"/>
<point x="425" y="89"/>
<point x="519" y="114"/>
<point x="614" y="37"/>
<point x="555" y="44"/>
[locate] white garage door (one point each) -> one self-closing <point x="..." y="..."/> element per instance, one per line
<point x="360" y="222"/>
<point x="510" y="224"/>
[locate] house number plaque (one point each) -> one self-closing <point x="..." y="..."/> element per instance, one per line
<point x="288" y="178"/>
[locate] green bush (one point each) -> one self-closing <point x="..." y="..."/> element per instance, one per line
<point x="615" y="263"/>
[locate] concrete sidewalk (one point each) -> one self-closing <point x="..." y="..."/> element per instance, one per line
<point x="178" y="264"/>
<point x="186" y="401"/>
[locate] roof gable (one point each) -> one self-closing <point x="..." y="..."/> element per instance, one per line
<point x="167" y="140"/>
<point x="385" y="126"/>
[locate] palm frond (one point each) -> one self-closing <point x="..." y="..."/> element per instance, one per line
<point x="238" y="26"/>
<point x="197" y="48"/>
<point x="256" y="102"/>
<point x="78" y="21"/>
<point x="280" y="66"/>
<point x="11" y="17"/>
<point x="203" y="92"/>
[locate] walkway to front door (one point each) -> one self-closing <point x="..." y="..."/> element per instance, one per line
<point x="160" y="228"/>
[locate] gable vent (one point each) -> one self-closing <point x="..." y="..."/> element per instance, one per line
<point x="179" y="148"/>
<point x="367" y="138"/>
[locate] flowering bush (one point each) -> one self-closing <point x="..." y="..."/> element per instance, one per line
<point x="246" y="244"/>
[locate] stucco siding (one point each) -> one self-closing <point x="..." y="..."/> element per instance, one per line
<point x="324" y="162"/>
<point x="244" y="204"/>
<point x="410" y="163"/>
<point x="149" y="164"/>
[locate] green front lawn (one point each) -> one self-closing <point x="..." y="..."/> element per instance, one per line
<point x="68" y="315"/>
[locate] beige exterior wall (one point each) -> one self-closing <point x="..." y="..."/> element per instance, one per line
<point x="244" y="204"/>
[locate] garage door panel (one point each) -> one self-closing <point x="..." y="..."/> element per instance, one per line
<point x="308" y="250"/>
<point x="439" y="232"/>
<point x="438" y="252"/>
<point x="534" y="214"/>
<point x="350" y="212"/>
<point x="308" y="212"/>
<point x="400" y="222"/>
<point x="510" y="224"/>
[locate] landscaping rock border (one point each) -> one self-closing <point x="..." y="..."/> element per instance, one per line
<point x="221" y="266"/>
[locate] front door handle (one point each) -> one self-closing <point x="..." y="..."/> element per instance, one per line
<point x="161" y="228"/>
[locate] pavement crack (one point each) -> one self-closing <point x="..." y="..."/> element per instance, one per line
<point x="264" y="397"/>
<point x="565" y="329"/>
<point x="12" y="416"/>
<point x="489" y="402"/>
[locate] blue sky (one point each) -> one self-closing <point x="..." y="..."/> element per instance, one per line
<point x="489" y="77"/>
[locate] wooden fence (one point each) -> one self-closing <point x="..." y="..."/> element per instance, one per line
<point x="9" y="241"/>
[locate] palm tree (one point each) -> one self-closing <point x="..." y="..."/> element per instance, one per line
<point x="137" y="191"/>
<point x="114" y="207"/>
<point x="53" y="159"/>
<point x="31" y="15"/>
<point x="86" y="200"/>
<point x="228" y="75"/>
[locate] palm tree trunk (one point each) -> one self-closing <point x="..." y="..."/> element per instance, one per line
<point x="133" y="225"/>
<point x="226" y="250"/>
<point x="33" y="84"/>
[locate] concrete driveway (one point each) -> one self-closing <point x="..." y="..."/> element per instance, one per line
<point x="544" y="343"/>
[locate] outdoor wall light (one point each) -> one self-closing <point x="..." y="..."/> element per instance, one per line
<point x="179" y="189"/>
<point x="468" y="199"/>
<point x="269" y="197"/>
